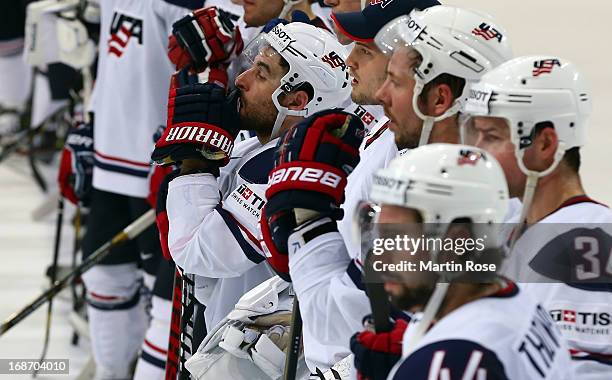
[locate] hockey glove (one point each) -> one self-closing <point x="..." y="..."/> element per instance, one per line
<point x="376" y="354"/>
<point x="76" y="165"/>
<point x="204" y="37"/>
<point x="202" y="123"/>
<point x="312" y="163"/>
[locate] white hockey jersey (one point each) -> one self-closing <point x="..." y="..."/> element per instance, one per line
<point x="564" y="261"/>
<point x="507" y="336"/>
<point x="213" y="227"/>
<point x="326" y="271"/>
<point x="131" y="91"/>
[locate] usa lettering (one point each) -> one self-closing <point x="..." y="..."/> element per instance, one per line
<point x="133" y="26"/>
<point x="312" y="175"/>
<point x="202" y="135"/>
<point x="539" y="346"/>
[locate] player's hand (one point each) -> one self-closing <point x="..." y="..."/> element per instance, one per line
<point x="202" y="123"/>
<point x="376" y="354"/>
<point x="312" y="163"/>
<point x="204" y="37"/>
<point x="76" y="165"/>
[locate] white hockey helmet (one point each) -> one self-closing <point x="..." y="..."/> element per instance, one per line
<point x="444" y="182"/>
<point x="530" y="90"/>
<point x="316" y="59"/>
<point x="451" y="40"/>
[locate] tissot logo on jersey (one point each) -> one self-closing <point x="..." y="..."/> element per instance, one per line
<point x="545" y="66"/>
<point x="248" y="199"/>
<point x="488" y="32"/>
<point x="123" y="29"/>
<point x="364" y="115"/>
<point x="581" y="318"/>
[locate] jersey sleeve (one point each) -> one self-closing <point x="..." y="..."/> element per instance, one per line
<point x="204" y="237"/>
<point x="328" y="284"/>
<point x="451" y="359"/>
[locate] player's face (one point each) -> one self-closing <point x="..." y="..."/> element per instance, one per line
<point x="259" y="12"/>
<point x="367" y="64"/>
<point x="492" y="134"/>
<point x="343" y="6"/>
<point x="407" y="290"/>
<point x="257" y="84"/>
<point x="396" y="96"/>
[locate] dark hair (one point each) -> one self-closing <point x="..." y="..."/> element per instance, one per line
<point x="571" y="158"/>
<point x="455" y="83"/>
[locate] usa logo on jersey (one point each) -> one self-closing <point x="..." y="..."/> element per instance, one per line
<point x="123" y="29"/>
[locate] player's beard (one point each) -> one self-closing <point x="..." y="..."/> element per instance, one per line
<point x="412" y="297"/>
<point x="258" y="116"/>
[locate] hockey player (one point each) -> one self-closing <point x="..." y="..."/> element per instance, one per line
<point x="486" y="327"/>
<point x="327" y="276"/>
<point x="213" y="221"/>
<point x="128" y="103"/>
<point x="561" y="247"/>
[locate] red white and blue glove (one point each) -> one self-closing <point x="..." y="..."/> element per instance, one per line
<point x="311" y="166"/>
<point x="158" y="194"/>
<point x="76" y="164"/>
<point x="376" y="353"/>
<point x="204" y="37"/>
<point x="202" y="122"/>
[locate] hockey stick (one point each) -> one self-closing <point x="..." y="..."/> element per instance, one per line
<point x="188" y="310"/>
<point x="293" y="350"/>
<point x="379" y="299"/>
<point x="127" y="234"/>
<point x="52" y="276"/>
<point x="174" y="342"/>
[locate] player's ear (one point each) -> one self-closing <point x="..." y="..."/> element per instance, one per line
<point x="439" y="99"/>
<point x="546" y="143"/>
<point x="297" y="100"/>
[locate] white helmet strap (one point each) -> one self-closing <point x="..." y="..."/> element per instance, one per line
<point x="531" y="183"/>
<point x="428" y="121"/>
<point x="283" y="112"/>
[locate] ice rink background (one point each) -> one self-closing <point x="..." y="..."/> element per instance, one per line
<point x="578" y="31"/>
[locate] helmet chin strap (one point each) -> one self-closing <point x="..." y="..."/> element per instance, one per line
<point x="283" y="112"/>
<point x="429" y="121"/>
<point x="531" y="184"/>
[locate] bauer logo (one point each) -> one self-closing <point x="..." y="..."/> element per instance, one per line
<point x="488" y="32"/>
<point x="545" y="66"/>
<point x="122" y="30"/>
<point x="300" y="174"/>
